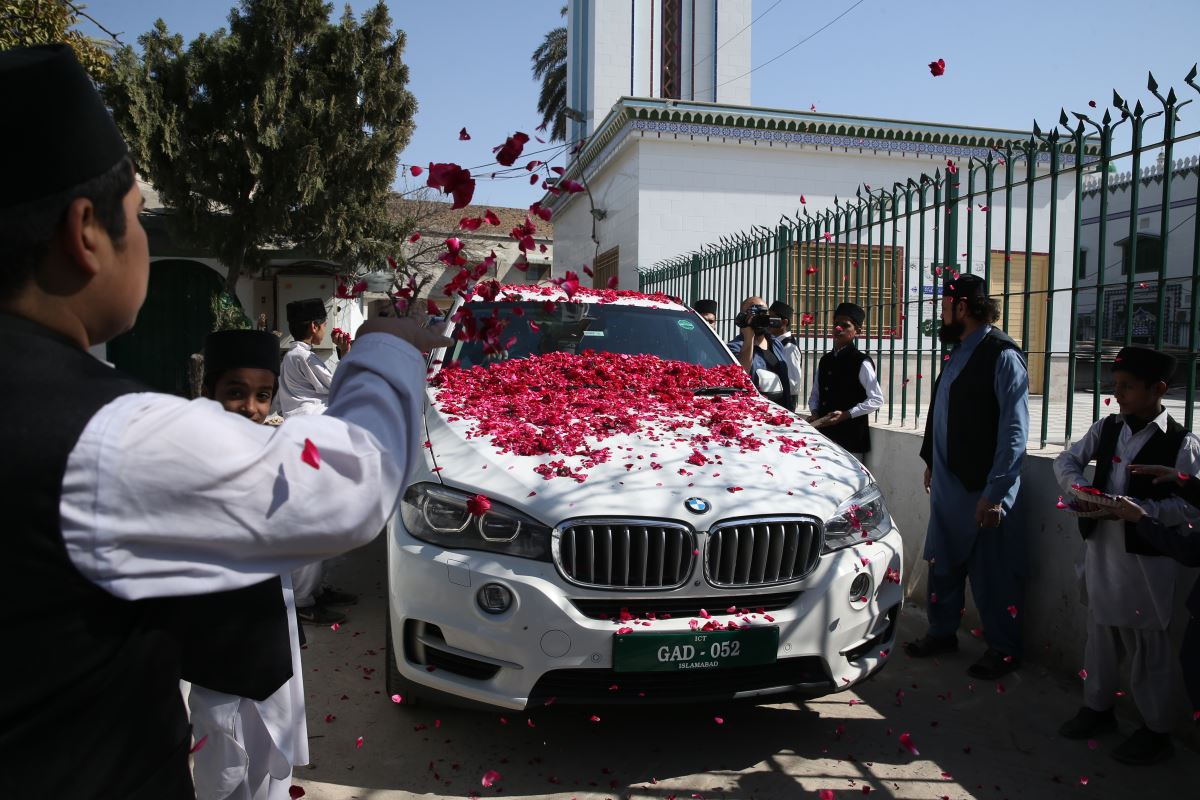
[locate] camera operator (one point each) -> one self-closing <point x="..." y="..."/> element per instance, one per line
<point x="782" y="312"/>
<point x="760" y="354"/>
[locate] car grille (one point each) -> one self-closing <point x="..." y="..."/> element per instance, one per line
<point x="762" y="552"/>
<point x="669" y="606"/>
<point x="805" y="675"/>
<point x="621" y="555"/>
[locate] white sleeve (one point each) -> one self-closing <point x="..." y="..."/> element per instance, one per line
<point x="164" y="496"/>
<point x="874" y="401"/>
<point x="1174" y="511"/>
<point x="1069" y="464"/>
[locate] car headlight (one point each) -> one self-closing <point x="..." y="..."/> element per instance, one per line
<point x="440" y="516"/>
<point x="863" y="517"/>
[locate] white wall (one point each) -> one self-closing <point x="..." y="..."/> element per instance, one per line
<point x="733" y="60"/>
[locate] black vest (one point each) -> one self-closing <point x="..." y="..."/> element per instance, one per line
<point x="1161" y="449"/>
<point x="839" y="389"/>
<point x="90" y="706"/>
<point x="974" y="419"/>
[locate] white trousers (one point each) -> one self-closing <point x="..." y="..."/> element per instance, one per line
<point x="239" y="759"/>
<point x="1152" y="667"/>
<point x="306" y="582"/>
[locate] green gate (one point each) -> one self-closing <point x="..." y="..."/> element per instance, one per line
<point x="171" y="326"/>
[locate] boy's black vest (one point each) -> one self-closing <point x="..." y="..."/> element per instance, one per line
<point x="1162" y="449"/>
<point x="91" y="706"/>
<point x="974" y="419"/>
<point x="839" y="389"/>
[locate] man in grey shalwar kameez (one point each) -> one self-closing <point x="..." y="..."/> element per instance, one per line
<point x="975" y="436"/>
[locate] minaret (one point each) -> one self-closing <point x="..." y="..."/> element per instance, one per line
<point x="677" y="49"/>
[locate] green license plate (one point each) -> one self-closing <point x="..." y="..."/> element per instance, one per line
<point x="702" y="650"/>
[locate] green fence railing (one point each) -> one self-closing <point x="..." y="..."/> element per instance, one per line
<point x="1083" y="258"/>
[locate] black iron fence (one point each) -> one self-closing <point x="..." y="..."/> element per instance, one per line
<point x="1084" y="258"/>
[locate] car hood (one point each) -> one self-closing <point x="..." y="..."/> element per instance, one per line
<point x="649" y="474"/>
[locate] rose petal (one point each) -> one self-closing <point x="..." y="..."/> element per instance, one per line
<point x="311" y="455"/>
<point x="358" y="743"/>
<point x="196" y="747"/>
<point x="463" y="136"/>
<point x="295" y="791"/>
<point x="489" y="778"/>
<point x="907" y="742"/>
<point x="415" y="170"/>
<point x="397" y="699"/>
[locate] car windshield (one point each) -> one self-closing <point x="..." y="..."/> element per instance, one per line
<point x="534" y="329"/>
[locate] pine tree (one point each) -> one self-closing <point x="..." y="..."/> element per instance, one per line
<point x="24" y="23"/>
<point x="282" y="132"/>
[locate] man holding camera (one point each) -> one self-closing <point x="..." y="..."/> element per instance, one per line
<point x="763" y="356"/>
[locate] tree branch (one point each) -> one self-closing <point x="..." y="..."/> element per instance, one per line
<point x="79" y="12"/>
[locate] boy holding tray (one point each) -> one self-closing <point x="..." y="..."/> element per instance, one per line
<point x="1130" y="585"/>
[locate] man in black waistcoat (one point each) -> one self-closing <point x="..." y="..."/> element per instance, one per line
<point x="1129" y="584"/>
<point x="128" y="496"/>
<point x="975" y="436"/>
<point x="846" y="389"/>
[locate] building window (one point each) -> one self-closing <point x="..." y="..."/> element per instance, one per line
<point x="606" y="266"/>
<point x="1149" y="254"/>
<point x="823" y="275"/>
<point x="1083" y="253"/>
<point x="672" y="47"/>
<point x="537" y="271"/>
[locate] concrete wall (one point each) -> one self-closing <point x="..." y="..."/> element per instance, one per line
<point x="733" y="60"/>
<point x="1051" y="614"/>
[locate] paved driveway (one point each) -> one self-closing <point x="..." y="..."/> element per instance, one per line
<point x="975" y="739"/>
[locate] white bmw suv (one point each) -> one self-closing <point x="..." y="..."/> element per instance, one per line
<point x="608" y="511"/>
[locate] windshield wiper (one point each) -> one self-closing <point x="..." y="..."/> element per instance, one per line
<point x="708" y="391"/>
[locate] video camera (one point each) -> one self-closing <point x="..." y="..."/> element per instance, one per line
<point x="758" y="318"/>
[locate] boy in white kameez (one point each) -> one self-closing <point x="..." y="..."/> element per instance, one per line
<point x="1129" y="584"/>
<point x="251" y="744"/>
<point x="304" y="382"/>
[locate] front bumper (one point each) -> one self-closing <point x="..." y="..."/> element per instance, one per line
<point x="553" y="644"/>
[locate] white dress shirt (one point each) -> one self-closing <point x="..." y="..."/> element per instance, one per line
<point x="304" y="382"/>
<point x="1123" y="589"/>
<point x="164" y="497"/>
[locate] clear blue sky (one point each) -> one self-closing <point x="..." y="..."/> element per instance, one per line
<point x="1007" y="63"/>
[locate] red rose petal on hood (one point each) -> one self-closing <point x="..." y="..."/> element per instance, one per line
<point x="489" y="778"/>
<point x="478" y="505"/>
<point x="463" y="136"/>
<point x="311" y="455"/>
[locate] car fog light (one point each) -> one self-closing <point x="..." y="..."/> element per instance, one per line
<point x="859" y="589"/>
<point x="494" y="598"/>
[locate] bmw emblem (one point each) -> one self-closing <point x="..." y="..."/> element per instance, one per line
<point x="697" y="505"/>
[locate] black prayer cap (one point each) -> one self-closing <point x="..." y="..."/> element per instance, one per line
<point x="780" y="309"/>
<point x="58" y="133"/>
<point x="853" y="311"/>
<point x="965" y="287"/>
<point x="1150" y="365"/>
<point x="705" y="307"/>
<point x="310" y="310"/>
<point x="226" y="350"/>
